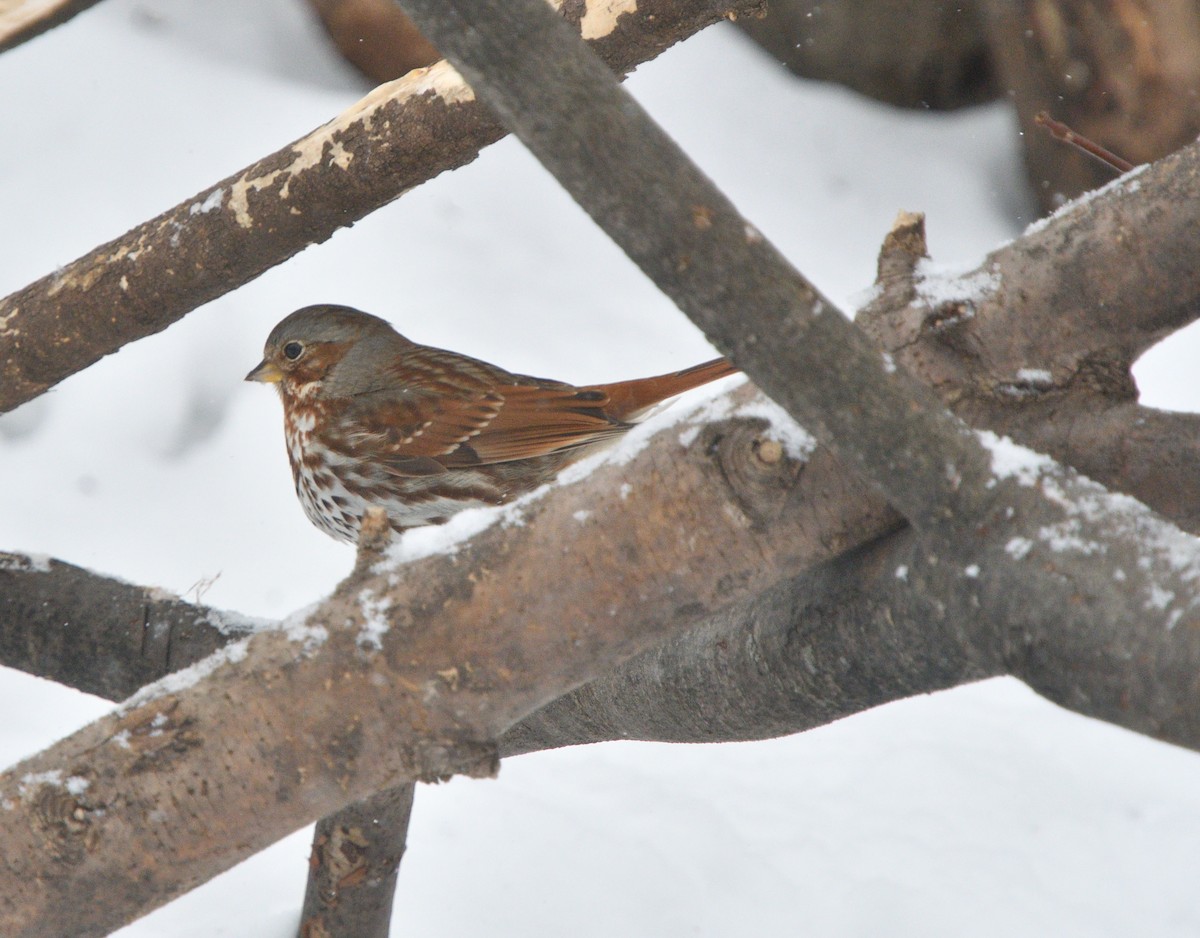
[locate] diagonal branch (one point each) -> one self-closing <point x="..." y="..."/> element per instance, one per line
<point x="101" y="635"/>
<point x="27" y="19"/>
<point x="418" y="673"/>
<point x="467" y="643"/>
<point x="400" y="135"/>
<point x="1063" y="558"/>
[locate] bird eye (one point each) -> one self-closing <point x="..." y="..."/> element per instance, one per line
<point x="292" y="351"/>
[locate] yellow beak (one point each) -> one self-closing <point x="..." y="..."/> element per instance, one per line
<point x="266" y="371"/>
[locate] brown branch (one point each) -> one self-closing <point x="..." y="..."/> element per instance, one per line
<point x="375" y="36"/>
<point x="27" y="19"/>
<point x="1074" y="301"/>
<point x="909" y="53"/>
<point x="354" y="866"/>
<point x="320" y="728"/>
<point x="1058" y="551"/>
<point x="1123" y="74"/>
<point x="1060" y="131"/>
<point x="436" y="678"/>
<point x="399" y="136"/>
<point x="1069" y="293"/>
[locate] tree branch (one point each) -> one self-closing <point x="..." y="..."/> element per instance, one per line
<point x="27" y="19"/>
<point x="1056" y="548"/>
<point x="910" y="53"/>
<point x="316" y="725"/>
<point x="354" y="866"/>
<point x="1074" y="301"/>
<point x="1032" y="552"/>
<point x="397" y="137"/>
<point x="100" y="635"/>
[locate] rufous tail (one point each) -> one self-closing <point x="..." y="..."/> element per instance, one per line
<point x="628" y="400"/>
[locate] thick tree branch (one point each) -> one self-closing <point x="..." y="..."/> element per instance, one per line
<point x="97" y="634"/>
<point x="375" y="36"/>
<point x="840" y="638"/>
<point x="1055" y="547"/>
<point x="468" y="643"/>
<point x="399" y="136"/>
<point x="689" y="239"/>
<point x="1123" y="74"/>
<point x="835" y="604"/>
<point x="911" y="53"/>
<point x="438" y="686"/>
<point x="1070" y="305"/>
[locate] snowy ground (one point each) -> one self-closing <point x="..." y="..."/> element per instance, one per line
<point x="985" y="811"/>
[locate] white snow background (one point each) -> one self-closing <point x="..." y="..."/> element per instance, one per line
<point x="985" y="811"/>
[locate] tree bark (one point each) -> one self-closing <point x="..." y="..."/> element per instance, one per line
<point x="27" y="19"/>
<point x="1121" y="72"/>
<point x="99" y="635"/>
<point x="278" y="735"/>
<point x="355" y="862"/>
<point x="397" y="137"/>
<point x="911" y="53"/>
<point x="375" y="36"/>
<point x="1087" y="595"/>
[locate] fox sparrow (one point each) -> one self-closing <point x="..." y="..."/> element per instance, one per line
<point x="372" y="418"/>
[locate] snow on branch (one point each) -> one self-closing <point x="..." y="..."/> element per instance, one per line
<point x="1045" y="550"/>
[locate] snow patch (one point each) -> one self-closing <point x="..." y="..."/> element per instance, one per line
<point x="297" y="629"/>
<point x="1012" y="460"/>
<point x="1127" y="182"/>
<point x="210" y="204"/>
<point x="187" y="677"/>
<point x="1040" y="377"/>
<point x="1018" y="547"/>
<point x="939" y="284"/>
<point x="31" y="781"/>
<point x="375" y="624"/>
<point x="797" y="442"/>
<point x="25" y="563"/>
<point x="1090" y="509"/>
<point x="445" y="539"/>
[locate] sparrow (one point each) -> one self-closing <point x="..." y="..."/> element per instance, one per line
<point x="374" y="419"/>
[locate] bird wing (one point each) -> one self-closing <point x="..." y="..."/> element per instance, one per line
<point x="414" y="431"/>
<point x="536" y="420"/>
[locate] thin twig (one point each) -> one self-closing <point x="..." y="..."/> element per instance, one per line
<point x="1061" y="131"/>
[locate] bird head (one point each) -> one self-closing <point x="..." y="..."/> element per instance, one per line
<point x="306" y="346"/>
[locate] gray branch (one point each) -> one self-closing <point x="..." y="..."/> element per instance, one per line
<point x="1015" y="564"/>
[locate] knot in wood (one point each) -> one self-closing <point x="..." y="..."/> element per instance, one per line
<point x="65" y="822"/>
<point x="756" y="467"/>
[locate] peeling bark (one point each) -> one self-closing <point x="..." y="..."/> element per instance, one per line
<point x="354" y="865"/>
<point x="397" y="137"/>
